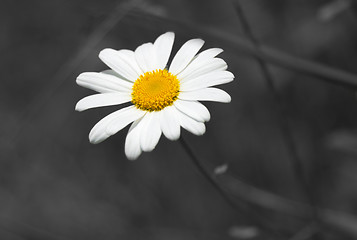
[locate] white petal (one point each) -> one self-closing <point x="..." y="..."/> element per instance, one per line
<point x="208" y="53"/>
<point x="132" y="141"/>
<point x="162" y="48"/>
<point x="207" y="80"/>
<point x="102" y="99"/>
<point x="111" y="72"/>
<point x="123" y="119"/>
<point x="169" y="122"/>
<point x="130" y="57"/>
<point x="206" y="94"/>
<point x="211" y="65"/>
<point x="200" y="60"/>
<point x="145" y="57"/>
<point x="193" y="109"/>
<point x="184" y="56"/>
<point x="101" y="82"/>
<point x="121" y="62"/>
<point x="197" y="128"/>
<point x="99" y="132"/>
<point x="151" y="131"/>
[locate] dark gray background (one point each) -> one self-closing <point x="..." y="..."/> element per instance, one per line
<point x="55" y="185"/>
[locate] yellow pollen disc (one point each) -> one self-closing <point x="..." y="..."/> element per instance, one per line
<point x="155" y="90"/>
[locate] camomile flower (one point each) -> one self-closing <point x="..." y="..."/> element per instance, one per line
<point x="162" y="99"/>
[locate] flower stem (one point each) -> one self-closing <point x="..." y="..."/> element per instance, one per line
<point x="252" y="215"/>
<point x="204" y="171"/>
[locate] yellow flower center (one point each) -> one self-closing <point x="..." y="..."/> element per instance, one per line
<point x="155" y="90"/>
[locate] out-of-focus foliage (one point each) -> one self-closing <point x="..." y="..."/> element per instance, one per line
<point x="55" y="185"/>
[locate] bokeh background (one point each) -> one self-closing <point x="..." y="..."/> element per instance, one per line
<point x="54" y="184"/>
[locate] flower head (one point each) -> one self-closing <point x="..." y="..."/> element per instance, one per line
<point x="163" y="100"/>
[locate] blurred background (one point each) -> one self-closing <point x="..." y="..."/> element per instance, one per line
<point x="54" y="184"/>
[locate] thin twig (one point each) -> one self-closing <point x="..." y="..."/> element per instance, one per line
<point x="339" y="221"/>
<point x="229" y="186"/>
<point x="65" y="71"/>
<point x="284" y="123"/>
<point x="205" y="173"/>
<point x="268" y="54"/>
<point x="258" y="219"/>
<point x="282" y="115"/>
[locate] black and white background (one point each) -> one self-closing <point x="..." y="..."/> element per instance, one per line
<point x="290" y="144"/>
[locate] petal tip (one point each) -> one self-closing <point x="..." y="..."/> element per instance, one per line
<point x="78" y="107"/>
<point x="96" y="139"/>
<point x="202" y="131"/>
<point x="106" y="50"/>
<point x="199" y="41"/>
<point x="92" y="140"/>
<point x="103" y="54"/>
<point x="132" y="156"/>
<point x="169" y="33"/>
<point x="175" y="138"/>
<point x="219" y="51"/>
<point x="147" y="149"/>
<point x="230" y="74"/>
<point x="80" y="77"/>
<point x="228" y="99"/>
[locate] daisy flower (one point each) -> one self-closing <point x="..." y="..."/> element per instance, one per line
<point x="162" y="99"/>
